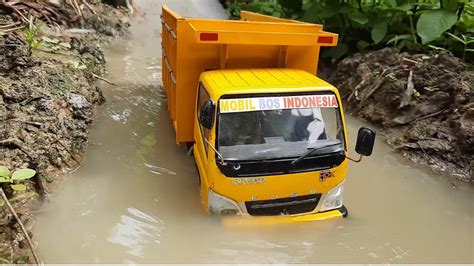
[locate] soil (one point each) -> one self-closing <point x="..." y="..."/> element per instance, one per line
<point x="47" y="100"/>
<point x="423" y="104"/>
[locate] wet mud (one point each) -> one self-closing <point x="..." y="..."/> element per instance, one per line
<point x="47" y="104"/>
<point x="422" y="102"/>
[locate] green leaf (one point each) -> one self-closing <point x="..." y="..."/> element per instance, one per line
<point x="436" y="47"/>
<point x="379" y="30"/>
<point x="307" y="5"/>
<point x="399" y="37"/>
<point x="336" y="52"/>
<point x="455" y="37"/>
<point x="361" y="45"/>
<point x="345" y="9"/>
<point x="23" y="196"/>
<point x="4" y="172"/>
<point x="35" y="44"/>
<point x="21" y="260"/>
<point x="433" y="23"/>
<point x="4" y="180"/>
<point x="78" y="65"/>
<point x="450" y="4"/>
<point x="23" y="174"/>
<point x="49" y="40"/>
<point x="466" y="22"/>
<point x="18" y="187"/>
<point x="317" y="11"/>
<point x="469" y="50"/>
<point x="415" y="94"/>
<point x="295" y="5"/>
<point x="405" y="7"/>
<point x="390" y="3"/>
<point x="359" y="17"/>
<point x="65" y="45"/>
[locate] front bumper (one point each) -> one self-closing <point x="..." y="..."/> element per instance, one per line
<point x="337" y="213"/>
<point x="233" y="221"/>
<point x="302" y="208"/>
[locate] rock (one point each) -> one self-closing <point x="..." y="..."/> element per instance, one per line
<point x="123" y="3"/>
<point x="76" y="31"/>
<point x="57" y="3"/>
<point x="82" y="109"/>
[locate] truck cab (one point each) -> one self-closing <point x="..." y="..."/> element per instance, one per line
<point x="252" y="126"/>
<point x="268" y="136"/>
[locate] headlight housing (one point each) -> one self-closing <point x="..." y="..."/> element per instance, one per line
<point x="221" y="205"/>
<point x="334" y="198"/>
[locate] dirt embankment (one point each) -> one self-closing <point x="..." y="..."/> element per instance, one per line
<point x="47" y="99"/>
<point x="422" y="102"/>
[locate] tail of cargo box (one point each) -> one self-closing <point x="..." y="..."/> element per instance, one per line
<point x="192" y="46"/>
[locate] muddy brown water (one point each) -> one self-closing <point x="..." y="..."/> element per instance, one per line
<point x="135" y="199"/>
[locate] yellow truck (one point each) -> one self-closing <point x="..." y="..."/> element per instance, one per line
<point x="268" y="136"/>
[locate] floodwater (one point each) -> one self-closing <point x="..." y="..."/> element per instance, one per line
<point x="135" y="199"/>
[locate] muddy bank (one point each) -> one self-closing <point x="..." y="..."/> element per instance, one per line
<point x="47" y="97"/>
<point x="422" y="102"/>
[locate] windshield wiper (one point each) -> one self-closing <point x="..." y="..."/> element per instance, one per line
<point x="312" y="150"/>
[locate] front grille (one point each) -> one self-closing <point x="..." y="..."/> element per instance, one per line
<point x="294" y="205"/>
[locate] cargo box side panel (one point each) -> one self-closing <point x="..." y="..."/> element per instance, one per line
<point x="252" y="16"/>
<point x="297" y="58"/>
<point x="252" y="56"/>
<point x="193" y="59"/>
<point x="169" y="35"/>
<point x="272" y="56"/>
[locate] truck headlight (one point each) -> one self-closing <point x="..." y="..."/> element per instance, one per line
<point x="218" y="204"/>
<point x="334" y="198"/>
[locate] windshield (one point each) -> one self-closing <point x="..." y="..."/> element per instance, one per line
<point x="278" y="127"/>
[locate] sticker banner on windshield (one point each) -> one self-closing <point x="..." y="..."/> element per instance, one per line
<point x="277" y="103"/>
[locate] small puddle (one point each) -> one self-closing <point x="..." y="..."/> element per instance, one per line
<point x="136" y="199"/>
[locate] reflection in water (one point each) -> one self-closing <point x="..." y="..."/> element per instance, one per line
<point x="135" y="230"/>
<point x="159" y="170"/>
<point x="136" y="198"/>
<point x="261" y="251"/>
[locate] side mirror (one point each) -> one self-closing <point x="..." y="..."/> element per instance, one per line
<point x="365" y="141"/>
<point x="206" y="115"/>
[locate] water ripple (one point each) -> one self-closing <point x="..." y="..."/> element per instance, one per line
<point x="136" y="231"/>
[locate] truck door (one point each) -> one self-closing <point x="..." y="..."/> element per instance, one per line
<point x="202" y="148"/>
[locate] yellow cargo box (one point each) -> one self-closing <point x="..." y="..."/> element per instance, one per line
<point x="192" y="46"/>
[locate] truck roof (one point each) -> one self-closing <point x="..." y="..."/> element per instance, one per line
<point x="251" y="81"/>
